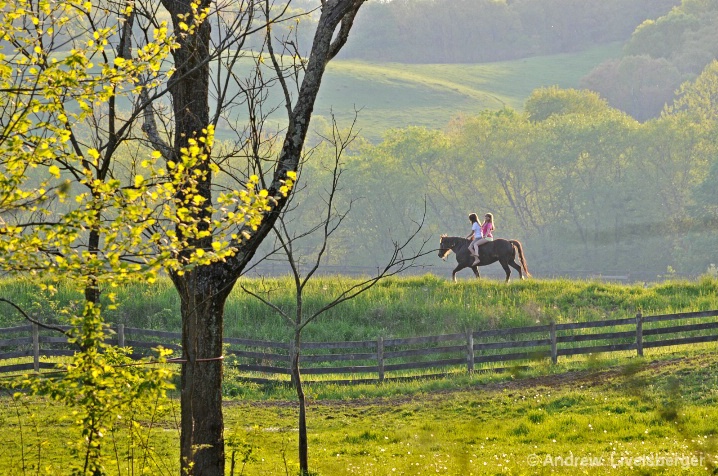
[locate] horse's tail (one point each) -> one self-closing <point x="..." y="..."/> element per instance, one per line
<point x="520" y="249"/>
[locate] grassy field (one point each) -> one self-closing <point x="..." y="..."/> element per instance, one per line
<point x="597" y="414"/>
<point x="624" y="416"/>
<point x="395" y="95"/>
<point x="396" y="307"/>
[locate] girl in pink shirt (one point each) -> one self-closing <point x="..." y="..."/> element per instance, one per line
<point x="486" y="228"/>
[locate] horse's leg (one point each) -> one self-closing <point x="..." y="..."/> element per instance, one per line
<point x="505" y="265"/>
<point x="475" y="269"/>
<point x="456" y="270"/>
<point x="516" y="266"/>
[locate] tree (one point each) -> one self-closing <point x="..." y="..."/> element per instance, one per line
<point x="696" y="109"/>
<point x="638" y="85"/>
<point x="204" y="289"/>
<point x="699" y="98"/>
<point x="202" y="228"/>
<point x="57" y="182"/>
<point x="496" y="146"/>
<point x="109" y="392"/>
<point x="415" y="158"/>
<point x="288" y="235"/>
<point x="545" y="102"/>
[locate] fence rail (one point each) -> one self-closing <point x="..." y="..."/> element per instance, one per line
<point x="393" y="358"/>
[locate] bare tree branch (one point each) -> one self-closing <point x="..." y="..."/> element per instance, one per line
<point x="149" y="126"/>
<point x="35" y="321"/>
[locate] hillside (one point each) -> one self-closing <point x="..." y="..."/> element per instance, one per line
<point x="396" y="95"/>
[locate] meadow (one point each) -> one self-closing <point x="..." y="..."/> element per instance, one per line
<point x="395" y="307"/>
<point x="399" y="95"/>
<point x="597" y="414"/>
<point x="614" y="416"/>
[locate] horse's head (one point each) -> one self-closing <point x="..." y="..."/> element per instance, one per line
<point x="444" y="247"/>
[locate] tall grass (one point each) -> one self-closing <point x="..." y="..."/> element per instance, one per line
<point x="396" y="307"/>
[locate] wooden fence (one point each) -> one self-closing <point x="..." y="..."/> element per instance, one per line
<point x="394" y="358"/>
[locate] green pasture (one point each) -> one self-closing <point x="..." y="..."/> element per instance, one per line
<point x="395" y="307"/>
<point x="596" y="414"/>
<point x="398" y="95"/>
<point x="616" y="416"/>
<point x="393" y="95"/>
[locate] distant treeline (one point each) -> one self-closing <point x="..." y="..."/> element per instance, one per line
<point x="659" y="56"/>
<point x="581" y="184"/>
<point x="477" y="31"/>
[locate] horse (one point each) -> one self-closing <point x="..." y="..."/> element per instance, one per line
<point x="501" y="250"/>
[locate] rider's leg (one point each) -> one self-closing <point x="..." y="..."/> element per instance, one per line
<point x="476" y="255"/>
<point x="473" y="249"/>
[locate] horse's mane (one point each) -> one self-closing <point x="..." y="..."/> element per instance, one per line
<point x="454" y="239"/>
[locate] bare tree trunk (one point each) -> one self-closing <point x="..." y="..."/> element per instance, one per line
<point x="297" y="380"/>
<point x="202" y="306"/>
<point x="201" y="439"/>
<point x="204" y="289"/>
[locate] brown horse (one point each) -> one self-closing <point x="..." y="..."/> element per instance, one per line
<point x="503" y="251"/>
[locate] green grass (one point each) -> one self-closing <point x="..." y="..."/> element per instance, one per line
<point x="396" y="307"/>
<point x="605" y="407"/>
<point x="393" y="95"/>
<point x="614" y="412"/>
<point x="398" y="95"/>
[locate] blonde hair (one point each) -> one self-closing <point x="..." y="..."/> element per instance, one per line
<point x="490" y="218"/>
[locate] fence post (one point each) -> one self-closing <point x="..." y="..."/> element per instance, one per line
<point x="36" y="347"/>
<point x="380" y="357"/>
<point x="120" y="335"/>
<point x="639" y="334"/>
<point x="554" y="348"/>
<point x="470" y="351"/>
